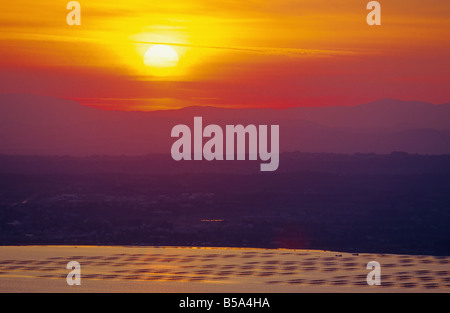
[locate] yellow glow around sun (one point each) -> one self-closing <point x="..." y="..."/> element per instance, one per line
<point x="161" y="56"/>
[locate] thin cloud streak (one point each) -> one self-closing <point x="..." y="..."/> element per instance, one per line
<point x="262" y="50"/>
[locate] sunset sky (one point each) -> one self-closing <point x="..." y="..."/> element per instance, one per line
<point x="233" y="53"/>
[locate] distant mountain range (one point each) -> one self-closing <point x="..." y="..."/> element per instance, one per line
<point x="39" y="125"/>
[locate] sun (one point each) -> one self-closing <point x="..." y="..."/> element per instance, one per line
<point x="161" y="56"/>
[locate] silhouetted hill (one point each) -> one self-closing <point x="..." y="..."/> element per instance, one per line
<point x="32" y="124"/>
<point x="383" y="114"/>
<point x="291" y="162"/>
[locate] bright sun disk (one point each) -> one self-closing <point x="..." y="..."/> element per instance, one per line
<point x="161" y="56"/>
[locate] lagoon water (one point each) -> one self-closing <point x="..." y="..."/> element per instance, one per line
<point x="199" y="270"/>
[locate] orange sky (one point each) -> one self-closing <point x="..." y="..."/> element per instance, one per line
<point x="254" y="53"/>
